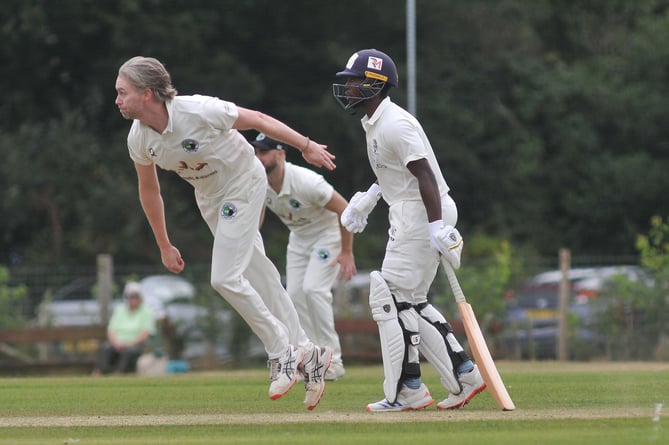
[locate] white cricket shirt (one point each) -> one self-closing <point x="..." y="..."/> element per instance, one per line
<point x="300" y="202"/>
<point x="199" y="144"/>
<point x="395" y="138"/>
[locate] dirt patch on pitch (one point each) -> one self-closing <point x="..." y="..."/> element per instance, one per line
<point x="429" y="415"/>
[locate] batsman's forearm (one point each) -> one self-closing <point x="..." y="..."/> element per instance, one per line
<point x="432" y="206"/>
<point x="428" y="188"/>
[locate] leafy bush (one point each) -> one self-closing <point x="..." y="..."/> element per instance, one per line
<point x="484" y="278"/>
<point x="636" y="317"/>
<point x="12" y="301"/>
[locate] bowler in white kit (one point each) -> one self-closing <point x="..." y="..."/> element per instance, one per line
<point x="197" y="137"/>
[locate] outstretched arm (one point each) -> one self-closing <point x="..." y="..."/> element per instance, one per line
<point x="154" y="209"/>
<point x="314" y="153"/>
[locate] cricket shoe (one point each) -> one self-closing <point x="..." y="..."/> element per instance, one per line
<point x="335" y="371"/>
<point x="472" y="383"/>
<point x="407" y="400"/>
<point x="316" y="364"/>
<point x="283" y="371"/>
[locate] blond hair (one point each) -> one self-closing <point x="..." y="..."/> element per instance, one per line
<point x="148" y="73"/>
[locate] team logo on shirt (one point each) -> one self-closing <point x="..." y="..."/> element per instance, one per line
<point x="295" y="204"/>
<point x="183" y="165"/>
<point x="190" y="145"/>
<point x="229" y="210"/>
<point x="323" y="254"/>
<point x="375" y="154"/>
<point x="152" y="152"/>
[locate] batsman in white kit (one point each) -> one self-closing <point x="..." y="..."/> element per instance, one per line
<point x="422" y="219"/>
<point x="319" y="249"/>
<point x="197" y="137"/>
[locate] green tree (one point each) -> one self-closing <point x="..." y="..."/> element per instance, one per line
<point x="547" y="116"/>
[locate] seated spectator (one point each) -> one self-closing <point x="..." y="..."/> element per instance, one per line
<point x="129" y="329"/>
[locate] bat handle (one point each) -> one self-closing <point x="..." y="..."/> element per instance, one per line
<point x="453" y="281"/>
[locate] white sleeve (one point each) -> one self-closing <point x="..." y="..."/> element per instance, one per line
<point x="136" y="147"/>
<point x="219" y="113"/>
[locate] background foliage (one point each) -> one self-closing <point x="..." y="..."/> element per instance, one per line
<point x="547" y="116"/>
<point x="636" y="318"/>
<point x="10" y="301"/>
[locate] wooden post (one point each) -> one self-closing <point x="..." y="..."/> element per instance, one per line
<point x="562" y="344"/>
<point x="105" y="263"/>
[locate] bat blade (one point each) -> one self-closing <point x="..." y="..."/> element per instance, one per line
<point x="477" y="344"/>
<point x="481" y="353"/>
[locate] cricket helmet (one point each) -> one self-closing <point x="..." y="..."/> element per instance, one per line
<point x="374" y="67"/>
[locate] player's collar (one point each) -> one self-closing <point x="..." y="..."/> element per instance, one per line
<point x="385" y="103"/>
<point x="285" y="186"/>
<point x="169" y="105"/>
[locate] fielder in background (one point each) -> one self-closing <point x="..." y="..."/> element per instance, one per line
<point x="197" y="137"/>
<point x="319" y="249"/>
<point x="129" y="329"/>
<point x="422" y="218"/>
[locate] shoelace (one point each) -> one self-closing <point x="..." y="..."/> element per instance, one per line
<point x="315" y="374"/>
<point x="289" y="367"/>
<point x="274" y="369"/>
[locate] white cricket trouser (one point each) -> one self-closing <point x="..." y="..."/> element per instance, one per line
<point x="241" y="272"/>
<point x="410" y="262"/>
<point x="310" y="276"/>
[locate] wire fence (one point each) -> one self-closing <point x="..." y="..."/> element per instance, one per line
<point x="44" y="281"/>
<point x="622" y="330"/>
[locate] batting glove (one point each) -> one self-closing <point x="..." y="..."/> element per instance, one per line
<point x="448" y="242"/>
<point x="354" y="216"/>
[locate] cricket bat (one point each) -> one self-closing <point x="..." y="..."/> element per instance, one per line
<point x="477" y="343"/>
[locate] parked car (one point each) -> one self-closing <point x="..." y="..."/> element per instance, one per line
<point x="75" y="304"/>
<point x="194" y="328"/>
<point x="531" y="324"/>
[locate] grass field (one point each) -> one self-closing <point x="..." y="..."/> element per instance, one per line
<point x="570" y="403"/>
